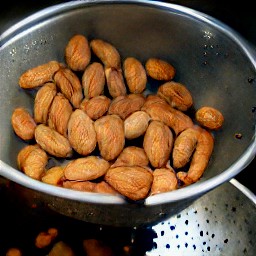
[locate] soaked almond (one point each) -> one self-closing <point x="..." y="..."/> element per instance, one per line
<point x="164" y="180"/>
<point x="70" y="86"/>
<point x="176" y="94"/>
<point x="209" y="117"/>
<point x="134" y="182"/>
<point x="157" y="143"/>
<point x="53" y="142"/>
<point x="110" y="136"/>
<point x="43" y="101"/>
<point x="59" y="114"/>
<point x="115" y="82"/>
<point x="78" y="52"/>
<point x="159" y="69"/>
<point x="96" y="107"/>
<point x="81" y="132"/>
<point x="86" y="168"/>
<point x="123" y="106"/>
<point x="132" y="156"/>
<point x="23" y="123"/>
<point x="106" y="52"/>
<point x="53" y="175"/>
<point x="33" y="161"/>
<point x="39" y="75"/>
<point x="135" y="75"/>
<point x="93" y="80"/>
<point x="136" y="124"/>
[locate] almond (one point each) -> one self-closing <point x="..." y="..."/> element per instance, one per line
<point x="159" y="69"/>
<point x="133" y="182"/>
<point x="110" y="136"/>
<point x="23" y="123"/>
<point x="69" y="84"/>
<point x="81" y="132"/>
<point x="78" y="53"/>
<point x="39" y="75"/>
<point x="86" y="168"/>
<point x="157" y="143"/>
<point x="52" y="142"/>
<point x="93" y="80"/>
<point x="135" y="75"/>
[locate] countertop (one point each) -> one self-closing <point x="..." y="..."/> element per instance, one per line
<point x="239" y="17"/>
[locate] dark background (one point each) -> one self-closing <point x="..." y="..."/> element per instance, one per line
<point x="238" y="15"/>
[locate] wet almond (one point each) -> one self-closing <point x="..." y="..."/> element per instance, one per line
<point x="106" y="52"/>
<point x="95" y="107"/>
<point x="176" y="94"/>
<point x="135" y="75"/>
<point x="81" y="132"/>
<point x="23" y="123"/>
<point x="53" y="142"/>
<point x="70" y="86"/>
<point x="159" y="69"/>
<point x="157" y="143"/>
<point x="86" y="168"/>
<point x="39" y="75"/>
<point x="59" y="114"/>
<point x="110" y="136"/>
<point x="133" y="182"/>
<point x="132" y="156"/>
<point x="93" y="80"/>
<point x="78" y="52"/>
<point x="136" y="124"/>
<point x="43" y="101"/>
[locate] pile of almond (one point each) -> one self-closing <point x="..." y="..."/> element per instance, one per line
<point x="93" y="112"/>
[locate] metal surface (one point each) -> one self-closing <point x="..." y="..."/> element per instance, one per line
<point x="222" y="222"/>
<point x="214" y="62"/>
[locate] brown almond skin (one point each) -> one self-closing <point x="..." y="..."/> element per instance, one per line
<point x="133" y="182"/>
<point x="107" y="53"/>
<point x="81" y="132"/>
<point x="70" y="86"/>
<point x="59" y="114"/>
<point x="164" y="180"/>
<point x="53" y="142"/>
<point x="135" y="75"/>
<point x="209" y="117"/>
<point x="86" y="168"/>
<point x="200" y="158"/>
<point x="96" y="107"/>
<point x="53" y="175"/>
<point x="110" y="136"/>
<point x="157" y="143"/>
<point x="132" y="156"/>
<point x="115" y="82"/>
<point x="159" y="109"/>
<point x="136" y="124"/>
<point x="86" y="186"/>
<point x="123" y="106"/>
<point x="23" y="123"/>
<point x="78" y="53"/>
<point x="104" y="188"/>
<point x="24" y="153"/>
<point x="184" y="146"/>
<point x="39" y="75"/>
<point x="43" y="101"/>
<point x="159" y="69"/>
<point x="34" y="162"/>
<point x="176" y="94"/>
<point x="93" y="80"/>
